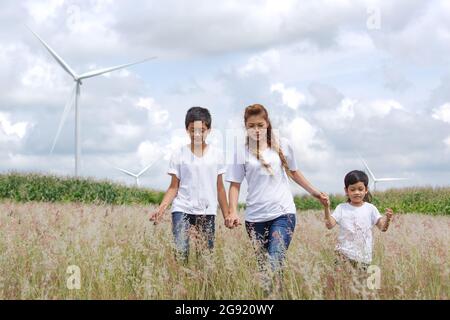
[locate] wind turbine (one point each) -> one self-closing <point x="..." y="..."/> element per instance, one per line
<point x="375" y="180"/>
<point x="136" y="176"/>
<point x="73" y="100"/>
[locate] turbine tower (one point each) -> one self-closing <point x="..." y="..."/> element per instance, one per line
<point x="74" y="98"/>
<point x="375" y="180"/>
<point x="136" y="176"/>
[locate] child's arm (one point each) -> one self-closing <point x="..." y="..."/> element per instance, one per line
<point x="383" y="223"/>
<point x="330" y="222"/>
<point x="222" y="196"/>
<point x="170" y="194"/>
<point x="232" y="219"/>
<point x="298" y="177"/>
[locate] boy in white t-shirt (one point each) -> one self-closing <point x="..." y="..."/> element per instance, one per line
<point x="356" y="219"/>
<point x="196" y="185"/>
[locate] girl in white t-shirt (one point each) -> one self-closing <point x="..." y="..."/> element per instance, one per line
<point x="196" y="185"/>
<point x="270" y="210"/>
<point x="356" y="218"/>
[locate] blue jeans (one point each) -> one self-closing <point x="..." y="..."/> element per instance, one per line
<point x="272" y="239"/>
<point x="204" y="226"/>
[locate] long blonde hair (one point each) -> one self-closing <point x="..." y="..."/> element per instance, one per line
<point x="256" y="110"/>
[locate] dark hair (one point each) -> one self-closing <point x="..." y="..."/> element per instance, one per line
<point x="356" y="176"/>
<point x="198" y="114"/>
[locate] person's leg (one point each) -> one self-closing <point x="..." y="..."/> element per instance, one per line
<point x="205" y="228"/>
<point x="258" y="233"/>
<point x="279" y="238"/>
<point x="180" y="230"/>
<point x="209" y="229"/>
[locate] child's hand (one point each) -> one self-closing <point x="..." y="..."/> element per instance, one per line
<point x="389" y="214"/>
<point x="327" y="201"/>
<point x="155" y="216"/>
<point x="383" y="223"/>
<point x="232" y="220"/>
<point x="323" y="198"/>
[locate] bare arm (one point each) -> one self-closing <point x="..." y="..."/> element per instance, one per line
<point x="222" y="196"/>
<point x="232" y="219"/>
<point x="167" y="199"/>
<point x="300" y="179"/>
<point x="383" y="223"/>
<point x="330" y="222"/>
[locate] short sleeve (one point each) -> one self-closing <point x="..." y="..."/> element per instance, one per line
<point x="375" y="215"/>
<point x="235" y="173"/>
<point x="337" y="214"/>
<point x="290" y="155"/>
<point x="174" y="165"/>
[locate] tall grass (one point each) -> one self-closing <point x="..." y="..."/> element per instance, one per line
<point x="122" y="255"/>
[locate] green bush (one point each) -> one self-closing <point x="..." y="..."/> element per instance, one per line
<point x="46" y="188"/>
<point x="428" y="200"/>
<point x="43" y="188"/>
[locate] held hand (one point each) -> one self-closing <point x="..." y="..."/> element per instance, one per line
<point x="155" y="216"/>
<point x="232" y="220"/>
<point x="326" y="201"/>
<point x="323" y="198"/>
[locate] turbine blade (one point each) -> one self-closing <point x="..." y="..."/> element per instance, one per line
<point x="145" y="169"/>
<point x="94" y="73"/>
<point x="58" y="59"/>
<point x="370" y="172"/>
<point x="126" y="172"/>
<point x="67" y="108"/>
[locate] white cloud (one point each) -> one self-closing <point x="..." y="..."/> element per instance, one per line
<point x="379" y="108"/>
<point x="442" y="113"/>
<point x="310" y="149"/>
<point x="156" y="114"/>
<point x="425" y="20"/>
<point x="359" y="41"/>
<point x="261" y="64"/>
<point x="41" y="74"/>
<point x="339" y="118"/>
<point x="41" y="11"/>
<point x="290" y="96"/>
<point x="346" y="110"/>
<point x="126" y="131"/>
<point x="12" y="130"/>
<point x="447" y="141"/>
<point x="148" y="152"/>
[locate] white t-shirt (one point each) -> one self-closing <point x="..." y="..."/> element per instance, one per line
<point x="197" y="193"/>
<point x="355" y="230"/>
<point x="268" y="197"/>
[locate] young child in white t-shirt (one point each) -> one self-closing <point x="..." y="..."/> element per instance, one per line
<point x="196" y="187"/>
<point x="356" y="218"/>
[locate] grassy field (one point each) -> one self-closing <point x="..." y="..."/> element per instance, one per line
<point x="121" y="255"/>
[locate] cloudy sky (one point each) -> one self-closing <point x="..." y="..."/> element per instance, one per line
<point x="338" y="78"/>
